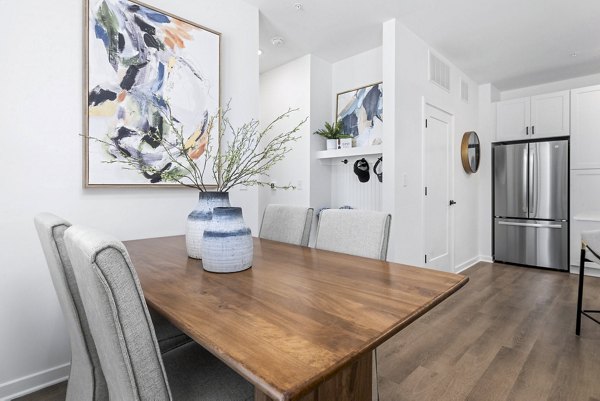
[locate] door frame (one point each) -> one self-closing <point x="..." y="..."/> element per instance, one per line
<point x="451" y="190"/>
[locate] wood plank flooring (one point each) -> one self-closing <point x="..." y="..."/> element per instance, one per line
<point x="509" y="334"/>
<point x="57" y="392"/>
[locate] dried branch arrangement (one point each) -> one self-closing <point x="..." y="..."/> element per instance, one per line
<point x="232" y="157"/>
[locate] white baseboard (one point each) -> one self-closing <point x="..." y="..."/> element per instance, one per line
<point x="465" y="265"/>
<point x="589" y="271"/>
<point x="28" y="384"/>
<point x="486" y="258"/>
<point x="472" y="262"/>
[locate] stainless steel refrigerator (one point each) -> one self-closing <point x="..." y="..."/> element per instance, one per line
<point x="531" y="203"/>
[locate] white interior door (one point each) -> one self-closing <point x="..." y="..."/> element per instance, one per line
<point x="437" y="174"/>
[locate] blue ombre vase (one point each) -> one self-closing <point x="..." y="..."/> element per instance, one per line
<point x="227" y="245"/>
<point x="199" y="219"/>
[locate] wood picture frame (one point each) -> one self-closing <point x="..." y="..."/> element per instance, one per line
<point x="361" y="112"/>
<point x="174" y="75"/>
<point x="470" y="152"/>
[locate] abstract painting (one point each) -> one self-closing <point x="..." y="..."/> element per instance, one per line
<point x="150" y="76"/>
<point x="361" y="113"/>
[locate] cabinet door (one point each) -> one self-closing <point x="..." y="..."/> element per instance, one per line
<point x="550" y="115"/>
<point x="513" y="119"/>
<point x="585" y="131"/>
<point x="585" y="209"/>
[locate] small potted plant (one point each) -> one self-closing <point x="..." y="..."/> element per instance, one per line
<point x="335" y="138"/>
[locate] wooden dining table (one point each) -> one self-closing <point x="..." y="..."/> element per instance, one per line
<point x="302" y="323"/>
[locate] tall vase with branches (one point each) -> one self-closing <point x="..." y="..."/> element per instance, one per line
<point x="212" y="163"/>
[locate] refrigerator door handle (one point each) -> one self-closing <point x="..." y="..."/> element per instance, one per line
<point x="525" y="162"/>
<point x="533" y="170"/>
<point x="536" y="225"/>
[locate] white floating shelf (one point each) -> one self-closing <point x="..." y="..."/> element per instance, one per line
<point x="350" y="152"/>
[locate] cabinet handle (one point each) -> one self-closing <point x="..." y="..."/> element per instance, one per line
<point x="527" y="130"/>
<point x="533" y="130"/>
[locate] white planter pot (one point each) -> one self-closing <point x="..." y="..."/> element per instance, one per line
<point x="345" y="143"/>
<point x="332" y="144"/>
<point x="199" y="218"/>
<point x="227" y="246"/>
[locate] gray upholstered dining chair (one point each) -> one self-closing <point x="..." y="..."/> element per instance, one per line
<point x="120" y="325"/>
<point x="86" y="380"/>
<point x="285" y="223"/>
<point x="354" y="232"/>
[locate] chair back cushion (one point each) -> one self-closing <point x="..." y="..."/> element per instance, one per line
<point x="118" y="316"/>
<point x="354" y="232"/>
<point x="86" y="378"/>
<point x="284" y="223"/>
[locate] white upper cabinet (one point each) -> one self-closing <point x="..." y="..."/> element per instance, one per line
<point x="513" y="119"/>
<point x="585" y="127"/>
<point x="550" y="115"/>
<point x="534" y="117"/>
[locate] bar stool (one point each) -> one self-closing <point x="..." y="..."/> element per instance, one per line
<point x="590" y="250"/>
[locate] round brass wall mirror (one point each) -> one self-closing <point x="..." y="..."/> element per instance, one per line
<point x="470" y="152"/>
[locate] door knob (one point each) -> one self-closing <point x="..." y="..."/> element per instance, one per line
<point x="452" y="202"/>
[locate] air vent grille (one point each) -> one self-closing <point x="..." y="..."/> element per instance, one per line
<point x="464" y="90"/>
<point x="439" y="72"/>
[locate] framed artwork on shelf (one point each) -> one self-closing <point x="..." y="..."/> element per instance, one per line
<point x="361" y="113"/>
<point x="149" y="75"/>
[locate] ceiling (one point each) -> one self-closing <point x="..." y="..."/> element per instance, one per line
<point x="510" y="43"/>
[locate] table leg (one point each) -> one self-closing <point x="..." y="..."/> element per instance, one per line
<point x="352" y="383"/>
<point x="580" y="291"/>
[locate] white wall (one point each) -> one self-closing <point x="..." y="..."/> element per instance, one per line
<point x="312" y="83"/>
<point x="320" y="112"/>
<point x="41" y="123"/>
<point x="303" y="83"/>
<point x="353" y="72"/>
<point x="402" y="64"/>
<point x="282" y="88"/>
<point x="486" y="129"/>
<point x="391" y="81"/>
<point x="573" y="83"/>
<point x="408" y="80"/>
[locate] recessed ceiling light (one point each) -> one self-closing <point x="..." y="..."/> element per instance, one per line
<point x="298" y="6"/>
<point x="259" y="52"/>
<point x="573" y="54"/>
<point x="277" y="41"/>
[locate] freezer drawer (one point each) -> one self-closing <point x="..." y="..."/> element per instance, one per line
<point x="532" y="242"/>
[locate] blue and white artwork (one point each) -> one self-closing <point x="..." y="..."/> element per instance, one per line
<point x="361" y="113"/>
<point x="150" y="75"/>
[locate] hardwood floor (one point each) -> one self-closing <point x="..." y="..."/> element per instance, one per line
<point x="509" y="334"/>
<point x="57" y="392"/>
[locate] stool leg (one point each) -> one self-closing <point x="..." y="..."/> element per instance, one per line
<point x="580" y="292"/>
